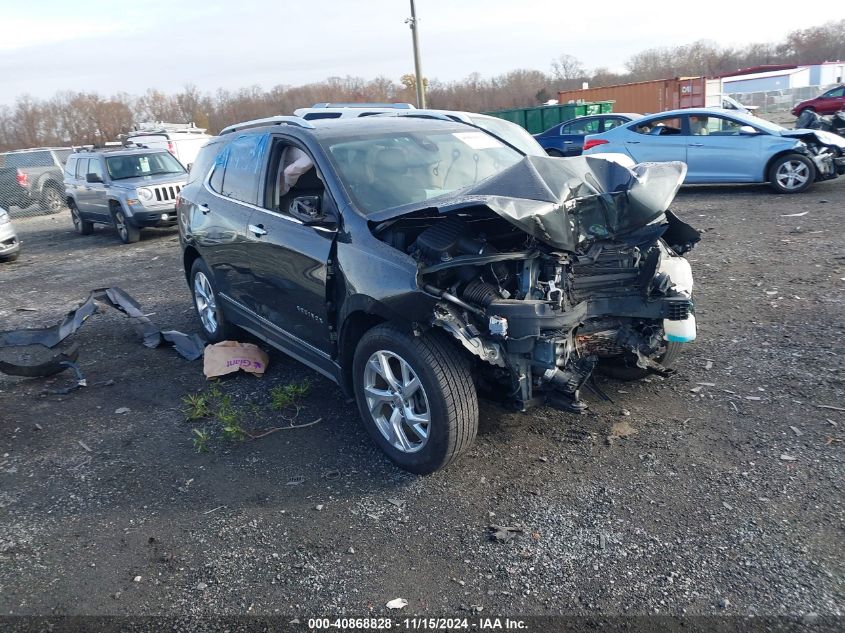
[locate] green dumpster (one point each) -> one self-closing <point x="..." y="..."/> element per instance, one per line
<point x="541" y="118"/>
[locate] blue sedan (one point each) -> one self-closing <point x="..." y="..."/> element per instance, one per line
<point x="567" y="138"/>
<point x="724" y="146"/>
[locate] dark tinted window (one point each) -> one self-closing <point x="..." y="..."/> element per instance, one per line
<point x="29" y="159"/>
<point x="322" y="115"/>
<point x="82" y="168"/>
<point x="204" y="161"/>
<point x="244" y="161"/>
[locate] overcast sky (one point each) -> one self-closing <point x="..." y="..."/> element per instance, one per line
<point x="115" y="46"/>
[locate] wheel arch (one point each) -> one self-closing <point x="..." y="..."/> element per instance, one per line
<point x="354" y="326"/>
<point x="780" y="155"/>
<point x="189" y="256"/>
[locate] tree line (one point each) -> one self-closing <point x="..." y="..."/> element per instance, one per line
<point x="84" y="118"/>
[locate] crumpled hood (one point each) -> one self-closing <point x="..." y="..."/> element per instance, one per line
<point x="826" y="138"/>
<point x="567" y="202"/>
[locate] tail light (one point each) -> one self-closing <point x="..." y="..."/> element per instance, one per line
<point x="23" y="178"/>
<point x="594" y="142"/>
<point x="171" y="147"/>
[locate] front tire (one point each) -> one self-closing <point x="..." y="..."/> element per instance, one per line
<point x="416" y="397"/>
<point x="554" y="153"/>
<point x="215" y="328"/>
<point x="127" y="233"/>
<point x="83" y="227"/>
<point x="792" y="173"/>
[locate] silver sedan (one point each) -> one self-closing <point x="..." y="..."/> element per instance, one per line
<point x="10" y="245"/>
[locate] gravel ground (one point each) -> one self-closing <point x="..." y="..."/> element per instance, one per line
<point x="716" y="491"/>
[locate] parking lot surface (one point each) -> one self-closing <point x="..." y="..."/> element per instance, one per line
<point x="717" y="490"/>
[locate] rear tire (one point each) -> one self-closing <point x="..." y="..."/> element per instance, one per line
<point x="792" y="173"/>
<point x="83" y="227"/>
<point x="127" y="233"/>
<point x="625" y="367"/>
<point x="215" y="328"/>
<point x="416" y="397"/>
<point x="52" y="200"/>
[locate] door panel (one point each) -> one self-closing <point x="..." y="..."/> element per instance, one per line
<point x="219" y="227"/>
<point x="717" y="152"/>
<point x="288" y="262"/>
<point x="659" y="139"/>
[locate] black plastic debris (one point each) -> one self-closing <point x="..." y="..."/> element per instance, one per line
<point x="189" y="346"/>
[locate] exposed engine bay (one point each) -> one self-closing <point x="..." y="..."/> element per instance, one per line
<point x="554" y="266"/>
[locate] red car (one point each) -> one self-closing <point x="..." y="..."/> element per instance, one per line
<point x="826" y="103"/>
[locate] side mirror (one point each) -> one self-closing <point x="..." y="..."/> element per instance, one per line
<point x="309" y="210"/>
<point x="93" y="178"/>
<point x="188" y="167"/>
<point x="747" y="129"/>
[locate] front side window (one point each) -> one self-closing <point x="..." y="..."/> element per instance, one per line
<point x="394" y="169"/>
<point x="141" y="165"/>
<point x="204" y="160"/>
<point x="836" y="92"/>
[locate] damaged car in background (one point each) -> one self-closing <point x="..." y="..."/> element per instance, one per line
<point x="418" y="263"/>
<point x="725" y="146"/>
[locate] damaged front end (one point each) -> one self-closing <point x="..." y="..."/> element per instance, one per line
<point x="552" y="267"/>
<point x="825" y="149"/>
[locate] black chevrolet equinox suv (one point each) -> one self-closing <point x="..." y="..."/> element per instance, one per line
<point x="418" y="262"/>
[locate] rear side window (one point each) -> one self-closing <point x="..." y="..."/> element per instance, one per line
<point x="81" y="168"/>
<point x="590" y="126"/>
<point x="244" y="161"/>
<point x="70" y="167"/>
<point x="204" y="160"/>
<point x="321" y="115"/>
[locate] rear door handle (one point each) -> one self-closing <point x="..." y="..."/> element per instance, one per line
<point x="204" y="209"/>
<point x="568" y="142"/>
<point x="696" y="144"/>
<point x="257" y="230"/>
<point x="633" y="142"/>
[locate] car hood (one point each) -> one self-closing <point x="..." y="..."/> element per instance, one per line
<point x="567" y="202"/>
<point x="826" y="138"/>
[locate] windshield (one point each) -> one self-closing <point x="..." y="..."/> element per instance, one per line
<point x="774" y="128"/>
<point x="137" y="165"/>
<point x="510" y="132"/>
<point x="392" y="170"/>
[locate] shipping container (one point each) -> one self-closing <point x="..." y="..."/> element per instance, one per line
<point x="541" y="118"/>
<point x="645" y="97"/>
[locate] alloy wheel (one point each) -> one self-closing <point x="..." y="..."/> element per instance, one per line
<point x="397" y="401"/>
<point x="120" y="225"/>
<point x="792" y="174"/>
<point x="206" y="303"/>
<point x="53" y="200"/>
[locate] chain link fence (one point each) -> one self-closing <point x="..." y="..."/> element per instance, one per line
<point x="775" y="105"/>
<point x="32" y="181"/>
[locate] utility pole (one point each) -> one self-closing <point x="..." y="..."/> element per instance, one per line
<point x="412" y="21"/>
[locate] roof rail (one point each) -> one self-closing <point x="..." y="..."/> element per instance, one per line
<point x="270" y="120"/>
<point x="397" y="106"/>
